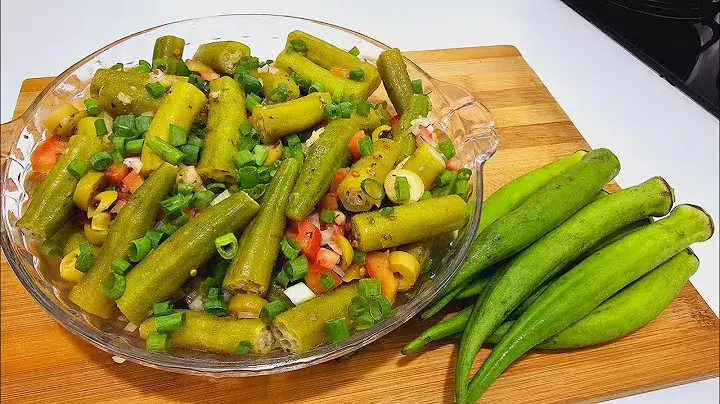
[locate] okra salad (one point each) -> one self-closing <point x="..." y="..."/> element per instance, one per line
<point x="231" y="205"/>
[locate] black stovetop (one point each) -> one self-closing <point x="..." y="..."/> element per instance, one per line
<point x="677" y="38"/>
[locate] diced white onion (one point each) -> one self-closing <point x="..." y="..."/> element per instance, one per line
<point x="426" y="121"/>
<point x="196" y="304"/>
<point x="188" y="175"/>
<point x="124" y="98"/>
<point x="314" y="218"/>
<point x="340" y="218"/>
<point x="221" y="197"/>
<point x="226" y="296"/>
<point x="314" y="136"/>
<point x="118" y="359"/>
<point x="133" y="162"/>
<point x="299" y="293"/>
<point x="326" y="236"/>
<point x="338" y="271"/>
<point x="130" y="327"/>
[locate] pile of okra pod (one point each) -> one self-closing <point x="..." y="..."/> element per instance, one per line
<point x="225" y="204"/>
<point x="558" y="263"/>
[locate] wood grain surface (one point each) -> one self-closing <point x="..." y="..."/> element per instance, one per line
<point x="42" y="362"/>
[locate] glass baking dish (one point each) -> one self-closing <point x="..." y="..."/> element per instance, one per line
<point x="467" y="123"/>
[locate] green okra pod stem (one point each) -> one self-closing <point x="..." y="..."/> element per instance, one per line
<point x="226" y="113"/>
<point x="278" y="120"/>
<point x="169" y="48"/>
<point x="252" y="267"/>
<point x="132" y="221"/>
<point x="578" y="292"/>
<point x="168" y="266"/>
<point x="408" y="223"/>
<point x="205" y="332"/>
<point x="52" y="201"/>
<point x="395" y="78"/>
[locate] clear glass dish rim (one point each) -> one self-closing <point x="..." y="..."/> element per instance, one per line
<point x="214" y="367"/>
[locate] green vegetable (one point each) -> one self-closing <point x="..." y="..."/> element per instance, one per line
<point x="227" y="246"/>
<point x="221" y="56"/>
<point x="155" y="89"/>
<point x="52" y="201"/>
<point x="162" y="308"/>
<point x="550" y="254"/>
<point x="271" y="310"/>
<point x="419" y="107"/>
<point x="63" y="241"/>
<point x="168" y="266"/>
<point x="278" y="120"/>
<point x="408" y="223"/>
<point x="328" y="154"/>
<point x="428" y="164"/>
<point x="124" y="93"/>
<point x="374" y="166"/>
<point x="169" y="322"/>
<point x="86" y="258"/>
<point x="165" y="150"/>
<point x="113" y="286"/>
<point x="156" y="341"/>
<point x="336" y="330"/>
<point x="395" y="78"/>
<point x="92" y="106"/>
<point x="578" y="292"/>
<point x="261" y="241"/>
<point x="170" y="49"/>
<point x="543" y="211"/>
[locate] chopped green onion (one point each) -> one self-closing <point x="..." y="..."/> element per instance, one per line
<point x="444" y="178"/>
<point x="368" y="288"/>
<point x="216" y="187"/>
<point x="248" y="177"/>
<point x="426" y="195"/>
<point x="139" y="248"/>
<point x="118" y="144"/>
<point x="250" y="83"/>
<point x="265" y="174"/>
<point x="359" y="256"/>
<point x="247" y="143"/>
<point x="303" y="82"/>
<point x="100" y="127"/>
<point x="402" y="188"/>
<point x="278" y="94"/>
<point x="160" y="63"/>
<point x="246" y="128"/>
<point x="298" y="45"/>
<point x="124" y="125"/>
<point x="387" y="211"/>
<point x="271" y="310"/>
<point x="134" y="146"/>
<point x="162" y="308"/>
<point x="181" y="69"/>
<point x="227" y="245"/>
<point x="113" y="286"/>
<point x="180" y="218"/>
<point x="327" y="216"/>
<point x="243" y="347"/>
<point x="464" y="174"/>
<point x="356" y="74"/>
<point x="357" y="307"/>
<point x="364" y="322"/>
<point x="365" y="146"/>
<point x="175" y="204"/>
<point x="251" y="101"/>
<point x="202" y="199"/>
<point x="142" y="67"/>
<point x="327" y="281"/>
<point x="379" y="307"/>
<point x="243" y="158"/>
<point x="51" y="248"/>
<point x="446" y="148"/>
<point x="282" y="279"/>
<point x="297" y="268"/>
<point x="155" y="236"/>
<point x="169" y="322"/>
<point x="354" y="51"/>
<point x="168" y="228"/>
<point x="92" y="106"/>
<point x="155" y="89"/>
<point x="165" y="150"/>
<point x="116" y="156"/>
<point x="385" y="305"/>
<point x="178" y="135"/>
<point x="332" y="111"/>
<point x="120" y="266"/>
<point x="197" y="81"/>
<point x="257" y="191"/>
<point x="101" y="160"/>
<point x="289" y="247"/>
<point x="338" y="92"/>
<point x="461" y="188"/>
<point x="373" y="188"/>
<point x="86" y="258"/>
<point x="156" y="341"/>
<point x="249" y="62"/>
<point x="417" y="86"/>
<point x="192" y="154"/>
<point x="215" y="304"/>
<point x="336" y="330"/>
<point x="345" y="109"/>
<point x="196" y="141"/>
<point x="142" y="123"/>
<point x="78" y="168"/>
<point x="261" y="154"/>
<point x="117" y="66"/>
<point x="316" y="88"/>
<point x="363" y="108"/>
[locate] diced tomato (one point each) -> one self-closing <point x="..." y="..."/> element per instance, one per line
<point x="394" y="122"/>
<point x="116" y="173"/>
<point x="308" y="238"/>
<point x="339" y="71"/>
<point x="329" y="201"/>
<point x="454" y="163"/>
<point x="353" y="144"/>
<point x="132" y="182"/>
<point x="314" y="282"/>
<point x="44" y="157"/>
<point x="339" y="175"/>
<point x="327" y="258"/>
<point x="378" y="267"/>
<point x="427" y="136"/>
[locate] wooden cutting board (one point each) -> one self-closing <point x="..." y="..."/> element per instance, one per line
<point x="42" y="362"/>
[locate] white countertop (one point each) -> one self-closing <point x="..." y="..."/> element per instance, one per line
<point x="613" y="98"/>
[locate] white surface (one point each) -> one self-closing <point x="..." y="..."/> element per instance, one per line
<point x="613" y="99"/>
